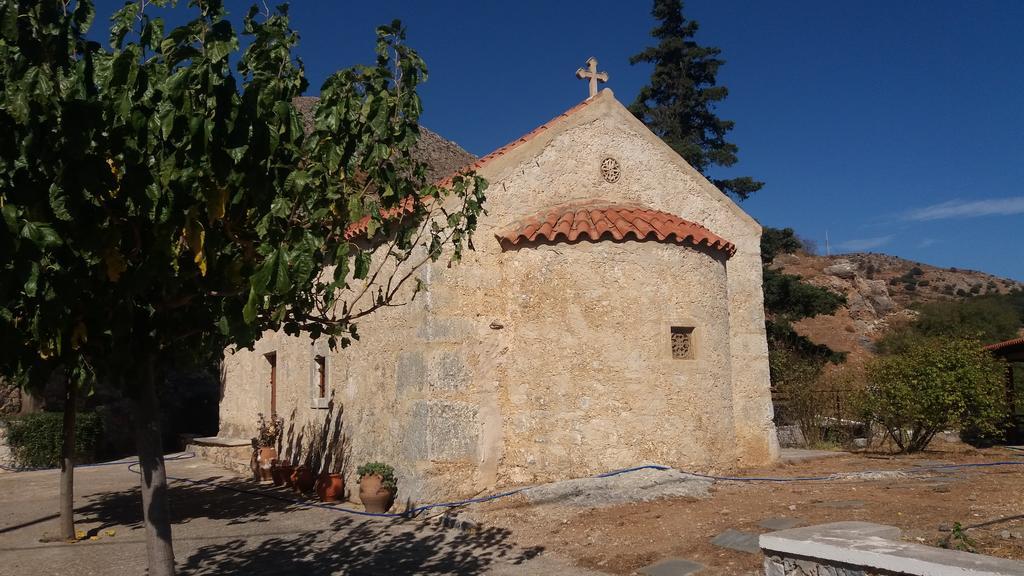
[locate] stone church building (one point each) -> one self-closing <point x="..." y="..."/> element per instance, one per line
<point x="610" y="315"/>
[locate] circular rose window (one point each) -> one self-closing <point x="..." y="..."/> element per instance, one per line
<point x="610" y="169"/>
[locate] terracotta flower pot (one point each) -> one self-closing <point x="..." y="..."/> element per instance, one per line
<point x="282" y="473"/>
<point x="375" y="497"/>
<point x="264" y="463"/>
<point x="303" y="479"/>
<point x="330" y="487"/>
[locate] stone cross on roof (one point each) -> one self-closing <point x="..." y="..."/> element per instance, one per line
<point x="592" y="74"/>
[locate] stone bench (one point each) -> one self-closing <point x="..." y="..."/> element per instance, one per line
<point x="234" y="454"/>
<point x="866" y="549"/>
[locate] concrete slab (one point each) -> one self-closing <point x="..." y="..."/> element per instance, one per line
<point x="781" y="523"/>
<point x="224" y="531"/>
<point x="875" y="547"/>
<point x="801" y="455"/>
<point x="736" y="540"/>
<point x="672" y="567"/>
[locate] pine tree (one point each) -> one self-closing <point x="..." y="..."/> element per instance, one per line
<point x="679" y="103"/>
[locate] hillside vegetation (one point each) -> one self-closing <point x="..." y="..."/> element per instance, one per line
<point x="885" y="292"/>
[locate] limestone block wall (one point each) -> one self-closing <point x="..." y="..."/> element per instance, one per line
<point x="403" y="388"/>
<point x="563" y="165"/>
<point x="591" y="382"/>
<point x="549" y="361"/>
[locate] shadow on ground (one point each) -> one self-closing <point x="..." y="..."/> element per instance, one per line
<point x="353" y="546"/>
<point x="345" y="544"/>
<point x="187" y="502"/>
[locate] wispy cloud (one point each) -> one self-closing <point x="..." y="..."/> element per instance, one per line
<point x="965" y="209"/>
<point x="862" y="244"/>
<point x="926" y="242"/>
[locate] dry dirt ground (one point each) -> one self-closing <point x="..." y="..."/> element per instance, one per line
<point x="924" y="504"/>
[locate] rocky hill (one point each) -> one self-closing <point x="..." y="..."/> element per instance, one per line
<point x="880" y="290"/>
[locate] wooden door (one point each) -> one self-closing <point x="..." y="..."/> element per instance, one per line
<point x="272" y="360"/>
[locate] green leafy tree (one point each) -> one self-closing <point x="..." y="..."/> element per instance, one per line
<point x="935" y="384"/>
<point x="158" y="204"/>
<point x="788" y="299"/>
<point x="795" y="362"/>
<point x="986" y="318"/>
<point x="679" y="103"/>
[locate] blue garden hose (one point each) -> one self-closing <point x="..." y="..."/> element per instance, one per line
<point x="420" y="509"/>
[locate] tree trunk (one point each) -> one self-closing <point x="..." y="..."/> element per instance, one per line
<point x="67" y="464"/>
<point x="159" y="552"/>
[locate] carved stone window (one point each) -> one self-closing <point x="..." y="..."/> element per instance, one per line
<point x="611" y="170"/>
<point x="682" y="343"/>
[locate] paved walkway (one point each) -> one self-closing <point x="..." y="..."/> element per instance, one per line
<point x="218" y="531"/>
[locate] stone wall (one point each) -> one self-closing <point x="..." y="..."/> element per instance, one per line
<point x="548" y="361"/>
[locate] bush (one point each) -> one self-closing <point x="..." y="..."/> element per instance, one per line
<point x="385" y="471"/>
<point x="933" y="385"/>
<point x="36" y="439"/>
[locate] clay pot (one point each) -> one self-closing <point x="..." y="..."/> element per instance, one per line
<point x="282" y="474"/>
<point x="264" y="463"/>
<point x="303" y="479"/>
<point x="375" y="498"/>
<point x="330" y="487"/>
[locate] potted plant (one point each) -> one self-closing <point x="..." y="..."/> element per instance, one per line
<point x="305" y="474"/>
<point x="330" y="486"/>
<point x="377" y="486"/>
<point x="264" y="445"/>
<point x="303" y="479"/>
<point x="281" y="472"/>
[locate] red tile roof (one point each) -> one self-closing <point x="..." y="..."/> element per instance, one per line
<point x="1005" y="344"/>
<point x="597" y="220"/>
<point x="358" y="228"/>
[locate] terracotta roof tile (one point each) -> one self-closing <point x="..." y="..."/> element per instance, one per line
<point x="597" y="220"/>
<point x="1005" y="344"/>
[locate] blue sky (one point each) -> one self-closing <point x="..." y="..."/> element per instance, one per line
<point x="895" y="127"/>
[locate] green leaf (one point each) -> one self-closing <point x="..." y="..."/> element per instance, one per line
<point x="41" y="234"/>
<point x="251" y="306"/>
<point x="362" y="265"/>
<point x="261" y="278"/>
<point x="281" y="283"/>
<point x="10" y="213"/>
<point x="9" y="22"/>
<point x="33" y="280"/>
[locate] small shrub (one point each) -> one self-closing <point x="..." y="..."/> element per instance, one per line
<point x="916" y="271"/>
<point x="962" y="293"/>
<point x="923" y="282"/>
<point x="933" y="385"/>
<point x="36" y="439"/>
<point x="959" y="540"/>
<point x="386" y="473"/>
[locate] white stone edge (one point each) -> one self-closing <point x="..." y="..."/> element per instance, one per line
<point x="889" y="555"/>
